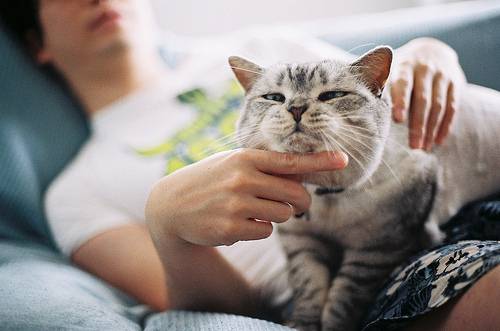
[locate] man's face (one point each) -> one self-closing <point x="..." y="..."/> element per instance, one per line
<point x="87" y="28"/>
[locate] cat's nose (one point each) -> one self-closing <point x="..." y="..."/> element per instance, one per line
<point x="297" y="112"/>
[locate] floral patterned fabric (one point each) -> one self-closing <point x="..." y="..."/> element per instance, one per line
<point x="433" y="277"/>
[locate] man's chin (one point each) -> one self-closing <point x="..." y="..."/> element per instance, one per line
<point x="113" y="47"/>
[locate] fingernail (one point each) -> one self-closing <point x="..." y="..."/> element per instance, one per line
<point x="340" y="158"/>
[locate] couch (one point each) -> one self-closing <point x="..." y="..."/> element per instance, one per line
<point x="42" y="128"/>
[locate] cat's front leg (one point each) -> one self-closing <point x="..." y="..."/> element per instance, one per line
<point x="354" y="289"/>
<point x="309" y="277"/>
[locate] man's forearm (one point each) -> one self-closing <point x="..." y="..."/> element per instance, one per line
<point x="126" y="258"/>
<point x="200" y="278"/>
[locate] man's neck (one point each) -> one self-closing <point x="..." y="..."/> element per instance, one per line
<point x="106" y="80"/>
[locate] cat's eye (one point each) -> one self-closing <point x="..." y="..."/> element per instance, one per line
<point x="278" y="97"/>
<point x="329" y="95"/>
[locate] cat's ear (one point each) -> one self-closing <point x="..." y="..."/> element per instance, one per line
<point x="374" y="67"/>
<point x="245" y="71"/>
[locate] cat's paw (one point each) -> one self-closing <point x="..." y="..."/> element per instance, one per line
<point x="303" y="326"/>
<point x="330" y="321"/>
<point x="336" y="325"/>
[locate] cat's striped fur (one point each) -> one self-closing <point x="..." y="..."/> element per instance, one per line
<point x="378" y="211"/>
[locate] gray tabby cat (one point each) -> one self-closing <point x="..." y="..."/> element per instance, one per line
<point x="386" y="204"/>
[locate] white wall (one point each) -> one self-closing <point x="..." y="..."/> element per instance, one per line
<point x="198" y="17"/>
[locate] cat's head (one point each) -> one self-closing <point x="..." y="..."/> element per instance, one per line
<point x="312" y="107"/>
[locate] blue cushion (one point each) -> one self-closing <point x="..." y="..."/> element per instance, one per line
<point x="41" y="128"/>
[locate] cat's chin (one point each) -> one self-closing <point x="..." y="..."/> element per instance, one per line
<point x="331" y="179"/>
<point x="350" y="177"/>
<point x="339" y="178"/>
<point x="300" y="143"/>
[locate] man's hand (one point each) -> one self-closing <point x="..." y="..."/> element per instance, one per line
<point x="218" y="200"/>
<point x="425" y="84"/>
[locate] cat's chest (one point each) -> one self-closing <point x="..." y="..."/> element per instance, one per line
<point x="363" y="215"/>
<point x="345" y="215"/>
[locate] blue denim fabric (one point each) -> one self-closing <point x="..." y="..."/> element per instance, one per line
<point x="41" y="291"/>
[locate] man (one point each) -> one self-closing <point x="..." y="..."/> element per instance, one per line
<point x="106" y="52"/>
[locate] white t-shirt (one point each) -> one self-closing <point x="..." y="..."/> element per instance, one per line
<point x="137" y="140"/>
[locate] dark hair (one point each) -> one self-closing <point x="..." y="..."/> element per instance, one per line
<point x="20" y="17"/>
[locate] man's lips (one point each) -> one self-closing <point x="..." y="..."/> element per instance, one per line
<point x="105" y="17"/>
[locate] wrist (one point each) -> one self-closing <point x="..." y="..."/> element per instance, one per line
<point x="158" y="215"/>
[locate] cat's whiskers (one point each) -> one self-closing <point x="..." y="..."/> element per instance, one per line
<point x="360" y="128"/>
<point x="345" y="150"/>
<point x="232" y="136"/>
<point x="346" y="141"/>
<point x="390" y="138"/>
<point x="347" y="114"/>
<point x="360" y="208"/>
<point x="372" y="149"/>
<point x="230" y="140"/>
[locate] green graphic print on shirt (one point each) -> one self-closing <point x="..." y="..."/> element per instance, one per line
<point x="207" y="134"/>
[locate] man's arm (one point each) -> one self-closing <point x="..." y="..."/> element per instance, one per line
<point x="204" y="279"/>
<point x="425" y="83"/>
<point x="126" y="258"/>
<point x="221" y="200"/>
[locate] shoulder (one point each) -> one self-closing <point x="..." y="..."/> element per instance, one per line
<point x="76" y="176"/>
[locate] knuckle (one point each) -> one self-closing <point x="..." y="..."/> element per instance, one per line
<point x="402" y="82"/>
<point x="437" y="105"/>
<point x="424" y="68"/>
<point x="239" y="155"/>
<point x="438" y="74"/>
<point x="239" y="181"/>
<point x="421" y="99"/>
<point x="234" y="206"/>
<point x="421" y="67"/>
<point x="290" y="161"/>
